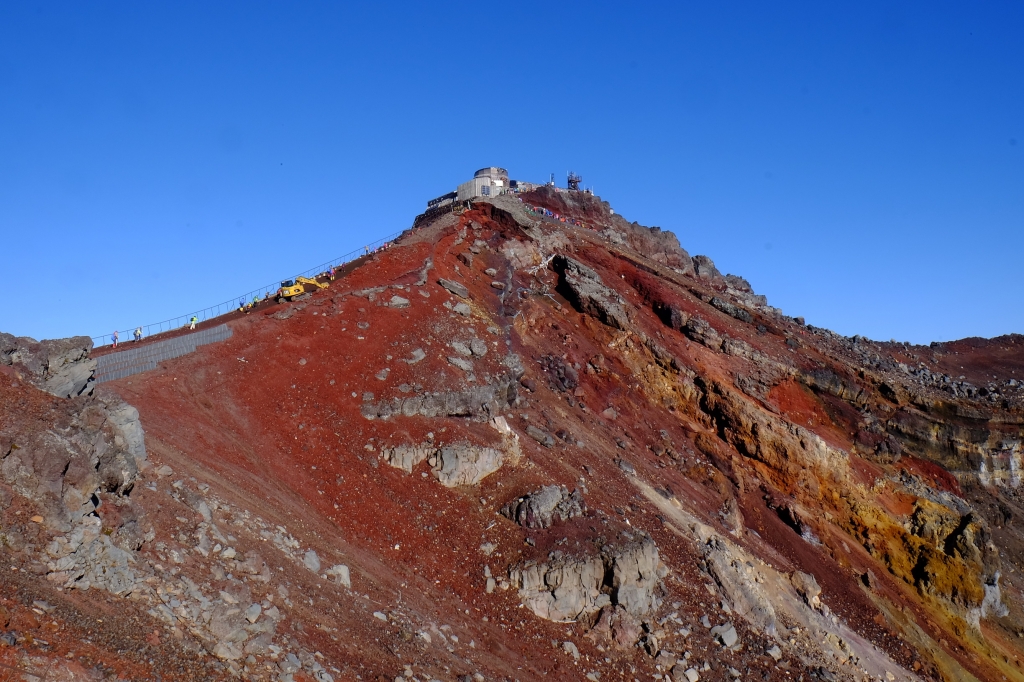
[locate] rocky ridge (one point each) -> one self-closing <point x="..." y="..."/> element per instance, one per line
<point x="751" y="497"/>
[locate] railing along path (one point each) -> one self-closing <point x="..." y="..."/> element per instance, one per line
<point x="232" y="303"/>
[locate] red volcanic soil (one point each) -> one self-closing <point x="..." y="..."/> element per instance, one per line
<point x="982" y="360"/>
<point x="801" y="406"/>
<point x="272" y="422"/>
<point x="271" y="419"/>
<point x="933" y="474"/>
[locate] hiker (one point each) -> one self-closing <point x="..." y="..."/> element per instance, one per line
<point x="138" y="334"/>
<point x="241" y="305"/>
<point x="192" y="322"/>
<point x="367" y="250"/>
<point x="332" y="273"/>
<point x="113" y="338"/>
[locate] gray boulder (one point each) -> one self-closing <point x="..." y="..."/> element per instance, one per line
<point x="415" y="356"/>
<point x="542" y="508"/>
<point x="478" y="347"/>
<point x="564" y="589"/>
<point x="807" y="587"/>
<point x="726" y="634"/>
<point x="456" y="288"/>
<point x="542" y="437"/>
<point x="463" y="464"/>
<point x="398" y="302"/>
<point x="672" y="315"/>
<point x="461" y="348"/>
<point x="731" y="309"/>
<point x="461" y="363"/>
<point x="698" y="329"/>
<point x="588" y="293"/>
<point x="341" y="575"/>
<point x="636" y="571"/>
<point x="407" y="456"/>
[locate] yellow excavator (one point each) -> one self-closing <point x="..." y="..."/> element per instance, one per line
<point x="292" y="288"/>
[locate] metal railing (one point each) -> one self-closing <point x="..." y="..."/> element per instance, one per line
<point x="232" y="304"/>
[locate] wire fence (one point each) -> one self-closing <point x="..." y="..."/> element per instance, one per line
<point x="236" y="302"/>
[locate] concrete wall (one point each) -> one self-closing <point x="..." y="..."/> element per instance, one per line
<point x="490" y="181"/>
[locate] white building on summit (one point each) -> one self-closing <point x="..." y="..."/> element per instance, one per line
<point x="487" y="182"/>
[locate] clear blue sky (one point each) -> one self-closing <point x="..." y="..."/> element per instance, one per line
<point x="862" y="166"/>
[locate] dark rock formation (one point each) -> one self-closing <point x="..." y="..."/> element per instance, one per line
<point x="544" y="507"/>
<point x="61" y="367"/>
<point x="583" y="286"/>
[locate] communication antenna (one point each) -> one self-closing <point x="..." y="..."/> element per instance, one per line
<point x="574" y="181"/>
<point x="551" y="182"/>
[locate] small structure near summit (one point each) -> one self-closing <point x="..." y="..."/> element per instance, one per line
<point x="486" y="182"/>
<point x="491" y="181"/>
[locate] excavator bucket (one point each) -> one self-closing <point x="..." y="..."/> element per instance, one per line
<point x="311" y="282"/>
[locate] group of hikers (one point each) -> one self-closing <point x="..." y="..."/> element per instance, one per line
<point x="246" y="308"/>
<point x="382" y="247"/>
<point x="137" y="334"/>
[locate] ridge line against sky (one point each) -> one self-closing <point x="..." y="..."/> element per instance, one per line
<point x="861" y="166"/>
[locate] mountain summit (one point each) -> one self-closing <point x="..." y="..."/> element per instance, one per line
<point x="530" y="440"/>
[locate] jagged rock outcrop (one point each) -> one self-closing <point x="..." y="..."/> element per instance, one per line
<point x="408" y="456"/>
<point x="60" y="453"/>
<point x="562" y="590"/>
<point x="463" y="464"/>
<point x="584" y="288"/>
<point x="87" y="558"/>
<point x="731" y="309"/>
<point x="701" y="331"/>
<point x="661" y="246"/>
<point x="452" y="465"/>
<point x="59" y="366"/>
<point x="542" y="508"/>
<point x="566" y="588"/>
<point x="483" y="402"/>
<point x="705" y="269"/>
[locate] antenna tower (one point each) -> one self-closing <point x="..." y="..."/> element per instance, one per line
<point x="574" y="181"/>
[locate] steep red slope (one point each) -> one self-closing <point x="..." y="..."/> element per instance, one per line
<point x="749" y="449"/>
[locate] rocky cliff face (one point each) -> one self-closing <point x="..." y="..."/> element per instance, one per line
<point x="60" y="367"/>
<point x="511" y="447"/>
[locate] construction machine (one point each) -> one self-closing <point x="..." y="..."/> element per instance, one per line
<point x="292" y="288"/>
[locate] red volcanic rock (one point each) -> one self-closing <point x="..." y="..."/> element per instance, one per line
<point x="374" y="481"/>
